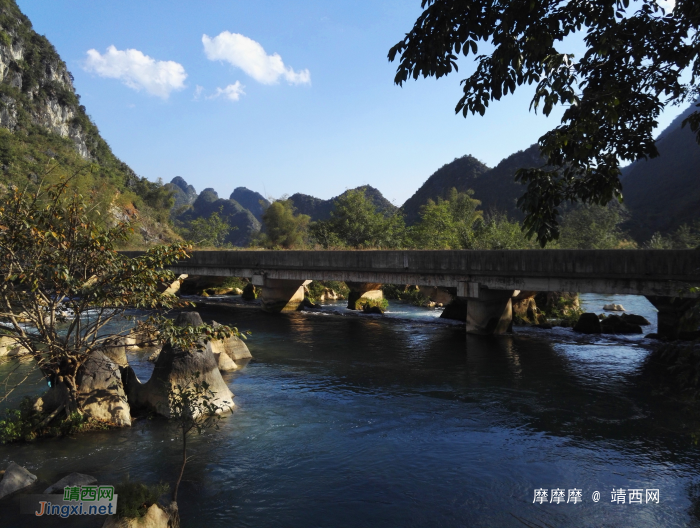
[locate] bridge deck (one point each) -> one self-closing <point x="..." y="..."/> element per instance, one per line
<point x="637" y="272"/>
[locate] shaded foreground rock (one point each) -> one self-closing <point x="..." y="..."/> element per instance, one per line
<point x="588" y="323"/>
<point x="14" y="479"/>
<point x="176" y="367"/>
<point x="102" y="393"/>
<point x="614" y="324"/>
<point x="74" y="479"/>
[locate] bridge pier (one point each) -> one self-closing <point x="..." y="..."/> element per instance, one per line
<point x="489" y="312"/>
<point x="673" y="316"/>
<point x="363" y="290"/>
<point x="280" y="295"/>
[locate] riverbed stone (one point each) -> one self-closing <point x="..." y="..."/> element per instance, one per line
<point x="15" y="478"/>
<point x="614" y="324"/>
<point x="155" y="517"/>
<point x="10" y="348"/>
<point x="74" y="479"/>
<point x="176" y="366"/>
<point x="588" y="323"/>
<point x="613" y="308"/>
<point x="234" y="346"/>
<point x="250" y="293"/>
<point x="102" y="393"/>
<point x="635" y="319"/>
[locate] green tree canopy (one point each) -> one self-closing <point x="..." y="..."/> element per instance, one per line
<point x="282" y="228"/>
<point x="211" y="231"/>
<point x="593" y="227"/>
<point x="447" y="223"/>
<point x="635" y="64"/>
<point x="356" y="222"/>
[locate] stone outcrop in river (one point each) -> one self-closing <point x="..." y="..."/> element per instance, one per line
<point x="175" y="366"/>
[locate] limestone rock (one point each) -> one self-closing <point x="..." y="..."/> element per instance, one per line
<point x="614" y="308"/>
<point x="456" y="310"/>
<point x="234" y="346"/>
<point x="15" y="478"/>
<point x="10" y="348"/>
<point x="635" y="319"/>
<point x="614" y="324"/>
<point x="155" y="517"/>
<point x="588" y="323"/>
<point x="115" y="349"/>
<point x="249" y="293"/>
<point x="176" y="366"/>
<point x="154" y="357"/>
<point x="74" y="479"/>
<point x="236" y="291"/>
<point x="101" y="390"/>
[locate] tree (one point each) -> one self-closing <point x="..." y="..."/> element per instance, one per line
<point x="447" y="223"/>
<point x="281" y="227"/>
<point x="592" y="227"/>
<point x="193" y="408"/>
<point x="634" y="66"/>
<point x="210" y="231"/>
<point x="62" y="282"/>
<point x="356" y="222"/>
<point x="497" y="231"/>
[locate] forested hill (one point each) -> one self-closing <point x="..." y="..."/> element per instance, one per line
<point x="664" y="192"/>
<point x="460" y="174"/>
<point x="495" y="188"/>
<point x="41" y="119"/>
<point x="319" y="209"/>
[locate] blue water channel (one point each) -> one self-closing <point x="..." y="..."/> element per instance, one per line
<point x="344" y="420"/>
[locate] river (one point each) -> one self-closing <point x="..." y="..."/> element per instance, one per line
<point x="405" y="421"/>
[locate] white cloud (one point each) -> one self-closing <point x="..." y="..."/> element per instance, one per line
<point x="198" y="92"/>
<point x="137" y="71"/>
<point x="250" y="56"/>
<point x="232" y="92"/>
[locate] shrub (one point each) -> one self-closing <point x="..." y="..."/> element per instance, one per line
<point x="135" y="497"/>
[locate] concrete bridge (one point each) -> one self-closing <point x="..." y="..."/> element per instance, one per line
<point x="486" y="280"/>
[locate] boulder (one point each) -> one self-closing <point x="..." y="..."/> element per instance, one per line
<point x="236" y="291"/>
<point x="10" y="348"/>
<point x="372" y="310"/>
<point x="635" y="319"/>
<point x="154" y="357"/>
<point x="525" y="308"/>
<point x="176" y="366"/>
<point x="614" y="308"/>
<point x="614" y="324"/>
<point x="306" y="304"/>
<point x="155" y="517"/>
<point x="101" y="390"/>
<point x="456" y="310"/>
<point x="115" y="349"/>
<point x="74" y="479"/>
<point x="249" y="293"/>
<point x="588" y="323"/>
<point x="234" y="346"/>
<point x="15" y="478"/>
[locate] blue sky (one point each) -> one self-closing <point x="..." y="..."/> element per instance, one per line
<point x="277" y="96"/>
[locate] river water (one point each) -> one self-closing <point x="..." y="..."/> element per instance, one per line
<point x="405" y="421"/>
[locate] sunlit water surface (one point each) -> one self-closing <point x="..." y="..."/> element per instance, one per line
<point x="405" y="421"/>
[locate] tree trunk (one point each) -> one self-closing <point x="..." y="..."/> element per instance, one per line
<point x="184" y="461"/>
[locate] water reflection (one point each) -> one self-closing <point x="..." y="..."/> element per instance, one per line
<point x="347" y="421"/>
